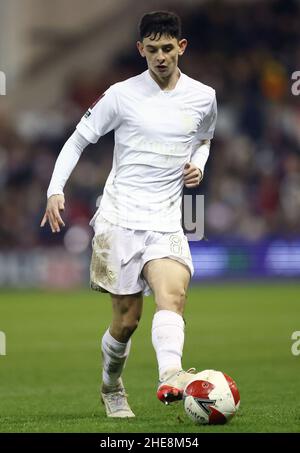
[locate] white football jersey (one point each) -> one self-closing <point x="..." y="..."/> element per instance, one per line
<point x="156" y="133"/>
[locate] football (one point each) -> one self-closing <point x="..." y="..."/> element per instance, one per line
<point x="211" y="397"/>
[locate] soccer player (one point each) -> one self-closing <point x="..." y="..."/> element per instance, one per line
<point x="163" y="122"/>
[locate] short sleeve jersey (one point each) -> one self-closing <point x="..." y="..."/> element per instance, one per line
<point x="156" y="132"/>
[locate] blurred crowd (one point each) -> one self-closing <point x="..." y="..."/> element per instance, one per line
<point x="248" y="53"/>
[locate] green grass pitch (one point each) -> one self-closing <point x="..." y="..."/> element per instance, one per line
<point x="50" y="376"/>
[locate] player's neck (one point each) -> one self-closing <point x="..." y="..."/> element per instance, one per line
<point x="166" y="83"/>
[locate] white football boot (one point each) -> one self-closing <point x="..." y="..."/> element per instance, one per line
<point x="115" y="402"/>
<point x="171" y="389"/>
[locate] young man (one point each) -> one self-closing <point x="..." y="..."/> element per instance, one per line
<point x="163" y="122"/>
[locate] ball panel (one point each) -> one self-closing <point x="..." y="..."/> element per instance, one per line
<point x="194" y="412"/>
<point x="233" y="389"/>
<point x="221" y="393"/>
<point x="199" y="389"/>
<point x="216" y="417"/>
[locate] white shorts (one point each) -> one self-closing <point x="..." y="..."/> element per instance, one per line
<point x="119" y="255"/>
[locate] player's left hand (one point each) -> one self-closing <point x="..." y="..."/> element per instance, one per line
<point x="192" y="175"/>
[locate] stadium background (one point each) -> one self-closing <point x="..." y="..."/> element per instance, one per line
<point x="58" y="58"/>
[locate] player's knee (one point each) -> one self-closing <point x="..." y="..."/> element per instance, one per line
<point x="127" y="312"/>
<point x="172" y="300"/>
<point x="129" y="325"/>
<point x="130" y="321"/>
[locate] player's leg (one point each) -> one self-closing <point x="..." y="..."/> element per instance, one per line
<point x="116" y="343"/>
<point x="169" y="280"/>
<point x="126" y="313"/>
<point x="116" y="269"/>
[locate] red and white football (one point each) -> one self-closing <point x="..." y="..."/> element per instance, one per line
<point x="211" y="397"/>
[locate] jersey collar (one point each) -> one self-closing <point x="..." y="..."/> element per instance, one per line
<point x="157" y="88"/>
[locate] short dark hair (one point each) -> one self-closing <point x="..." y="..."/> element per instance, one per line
<point x="159" y="23"/>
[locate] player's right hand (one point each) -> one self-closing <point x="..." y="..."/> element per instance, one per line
<point x="55" y="204"/>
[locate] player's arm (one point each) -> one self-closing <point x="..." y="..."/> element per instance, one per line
<point x="64" y="166"/>
<point x="194" y="170"/>
<point x="102" y="117"/>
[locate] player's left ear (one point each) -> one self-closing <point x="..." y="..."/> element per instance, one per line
<point x="140" y="47"/>
<point x="182" y="46"/>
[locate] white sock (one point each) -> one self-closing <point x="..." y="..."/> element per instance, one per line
<point x="167" y="340"/>
<point x="114" y="356"/>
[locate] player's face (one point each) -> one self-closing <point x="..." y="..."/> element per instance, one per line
<point x="162" y="54"/>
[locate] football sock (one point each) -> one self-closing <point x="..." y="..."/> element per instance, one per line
<point x="114" y="355"/>
<point x="167" y="340"/>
